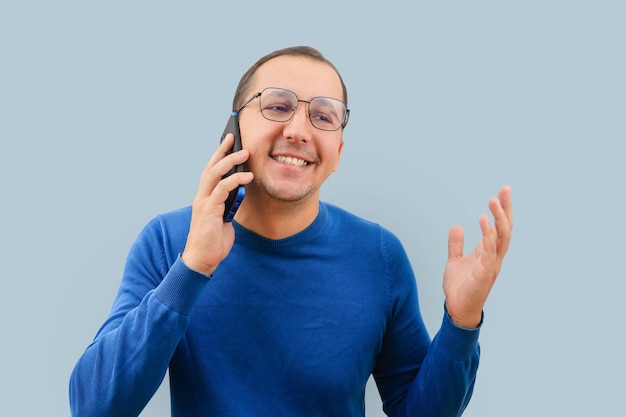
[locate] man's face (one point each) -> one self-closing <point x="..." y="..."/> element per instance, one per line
<point x="290" y="160"/>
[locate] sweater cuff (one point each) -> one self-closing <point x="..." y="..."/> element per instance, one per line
<point x="181" y="287"/>
<point x="460" y="342"/>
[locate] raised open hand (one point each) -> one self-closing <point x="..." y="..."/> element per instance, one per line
<point x="468" y="279"/>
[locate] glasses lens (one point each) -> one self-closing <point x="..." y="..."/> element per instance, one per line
<point x="278" y="104"/>
<point x="327" y="113"/>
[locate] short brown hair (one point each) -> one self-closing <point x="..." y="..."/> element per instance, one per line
<point x="306" y="51"/>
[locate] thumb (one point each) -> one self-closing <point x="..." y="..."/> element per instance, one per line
<point x="455" y="242"/>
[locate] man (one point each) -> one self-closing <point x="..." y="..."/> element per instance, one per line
<point x="289" y="309"/>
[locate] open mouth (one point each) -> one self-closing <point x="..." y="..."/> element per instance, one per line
<point x="291" y="160"/>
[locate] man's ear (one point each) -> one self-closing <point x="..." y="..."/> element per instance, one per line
<point x="338" y="155"/>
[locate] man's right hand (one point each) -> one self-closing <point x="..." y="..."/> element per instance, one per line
<point x="210" y="239"/>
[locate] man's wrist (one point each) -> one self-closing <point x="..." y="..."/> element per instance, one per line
<point x="467" y="320"/>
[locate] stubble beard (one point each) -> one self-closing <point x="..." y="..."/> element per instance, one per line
<point x="278" y="197"/>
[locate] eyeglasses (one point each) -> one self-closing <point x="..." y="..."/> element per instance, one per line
<point x="279" y="105"/>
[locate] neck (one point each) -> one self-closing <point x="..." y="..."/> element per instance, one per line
<point x="275" y="219"/>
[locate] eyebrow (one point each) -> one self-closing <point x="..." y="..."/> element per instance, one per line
<point x="282" y="92"/>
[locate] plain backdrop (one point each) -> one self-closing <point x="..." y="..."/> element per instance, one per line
<point x="109" y="111"/>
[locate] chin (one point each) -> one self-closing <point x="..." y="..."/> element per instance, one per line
<point x="285" y="190"/>
<point x="287" y="195"/>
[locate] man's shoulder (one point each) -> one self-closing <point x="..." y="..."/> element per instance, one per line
<point x="176" y="214"/>
<point x="351" y="220"/>
<point x="335" y="211"/>
<point x="357" y="223"/>
<point x="173" y="221"/>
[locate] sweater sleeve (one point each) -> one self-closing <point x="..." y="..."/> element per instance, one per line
<point x="125" y="364"/>
<point x="416" y="376"/>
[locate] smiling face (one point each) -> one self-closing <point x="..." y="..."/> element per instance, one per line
<point x="290" y="160"/>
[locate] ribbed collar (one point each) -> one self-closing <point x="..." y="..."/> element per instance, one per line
<point x="247" y="237"/>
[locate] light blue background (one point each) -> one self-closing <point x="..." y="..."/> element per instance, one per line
<point x="109" y="110"/>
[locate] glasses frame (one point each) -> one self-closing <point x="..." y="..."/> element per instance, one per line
<point x="308" y="108"/>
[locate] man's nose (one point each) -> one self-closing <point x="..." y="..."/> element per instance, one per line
<point x="299" y="126"/>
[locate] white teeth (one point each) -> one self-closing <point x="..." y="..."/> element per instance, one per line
<point x="291" y="161"/>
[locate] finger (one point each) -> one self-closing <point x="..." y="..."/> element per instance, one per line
<point x="217" y="156"/>
<point x="215" y="171"/>
<point x="222" y="150"/>
<point x="455" y="242"/>
<point x="231" y="182"/>
<point x="504" y="195"/>
<point x="502" y="226"/>
<point x="226" y="164"/>
<point x="212" y="206"/>
<point x="489" y="235"/>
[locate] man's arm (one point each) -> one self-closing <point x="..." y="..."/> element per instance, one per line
<point x="438" y="380"/>
<point x="120" y="371"/>
<point x="123" y="367"/>
<point x="417" y="377"/>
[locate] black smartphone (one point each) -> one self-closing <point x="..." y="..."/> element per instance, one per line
<point x="235" y="197"/>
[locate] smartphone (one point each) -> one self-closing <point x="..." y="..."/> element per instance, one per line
<point x="235" y="197"/>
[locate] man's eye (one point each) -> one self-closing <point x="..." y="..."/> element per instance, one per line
<point x="277" y="106"/>
<point x="322" y="118"/>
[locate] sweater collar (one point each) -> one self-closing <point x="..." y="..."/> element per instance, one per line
<point x="248" y="237"/>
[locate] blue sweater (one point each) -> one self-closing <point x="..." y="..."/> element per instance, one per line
<point x="290" y="327"/>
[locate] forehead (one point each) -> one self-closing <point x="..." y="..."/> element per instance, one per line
<point x="305" y="76"/>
